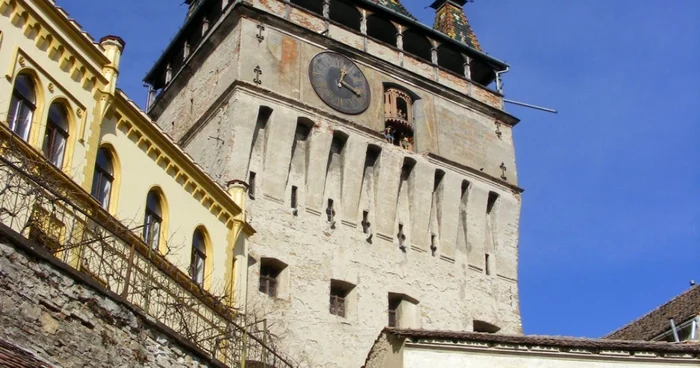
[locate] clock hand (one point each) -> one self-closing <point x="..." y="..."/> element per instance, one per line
<point x="342" y="76"/>
<point x="354" y="90"/>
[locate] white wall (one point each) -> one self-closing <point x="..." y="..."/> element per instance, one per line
<point x="492" y="358"/>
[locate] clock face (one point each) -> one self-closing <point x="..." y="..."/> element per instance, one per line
<point x="339" y="83"/>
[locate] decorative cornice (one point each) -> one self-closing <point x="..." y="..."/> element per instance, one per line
<point x="177" y="163"/>
<point x="24" y="60"/>
<point x="52" y="43"/>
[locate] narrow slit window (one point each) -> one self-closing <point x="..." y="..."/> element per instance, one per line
<point x="487" y="267"/>
<point x="394" y="302"/>
<point x="330" y="212"/>
<point x="251" y="185"/>
<point x="294" y="201"/>
<point x="401" y="237"/>
<point x="294" y="197"/>
<point x="365" y="222"/>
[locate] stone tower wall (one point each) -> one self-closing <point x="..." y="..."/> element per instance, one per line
<point x="460" y="263"/>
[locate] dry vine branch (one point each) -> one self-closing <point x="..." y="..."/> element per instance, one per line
<point x="47" y="206"/>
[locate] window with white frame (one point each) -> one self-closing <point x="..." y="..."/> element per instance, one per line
<point x="199" y="257"/>
<point x="56" y="135"/>
<point x="103" y="178"/>
<point x="22" y="106"/>
<point x="153" y="220"/>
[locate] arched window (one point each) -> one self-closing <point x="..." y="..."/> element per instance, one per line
<point x="199" y="257"/>
<point x="450" y="59"/>
<point x="56" y="134"/>
<point x="315" y="6"/>
<point x="345" y="14"/>
<point x="103" y="178"/>
<point x="417" y="44"/>
<point x="22" y="106"/>
<point x="153" y="220"/>
<point x="381" y="30"/>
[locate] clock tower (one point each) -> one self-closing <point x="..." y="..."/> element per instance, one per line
<point x="379" y="159"/>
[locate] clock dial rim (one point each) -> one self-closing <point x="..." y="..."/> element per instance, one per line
<point x="364" y="89"/>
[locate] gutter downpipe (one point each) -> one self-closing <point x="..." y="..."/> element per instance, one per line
<point x="499" y="82"/>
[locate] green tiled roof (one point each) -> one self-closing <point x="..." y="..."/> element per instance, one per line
<point x="396" y="6"/>
<point x="451" y="20"/>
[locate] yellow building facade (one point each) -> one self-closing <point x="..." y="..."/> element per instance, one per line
<point x="59" y="101"/>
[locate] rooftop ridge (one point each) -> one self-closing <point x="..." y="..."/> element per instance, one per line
<point x="683" y="302"/>
<point x="550" y="341"/>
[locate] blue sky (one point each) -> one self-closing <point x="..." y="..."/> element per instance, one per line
<point x="609" y="227"/>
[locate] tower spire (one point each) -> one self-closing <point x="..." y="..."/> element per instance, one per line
<point x="451" y="20"/>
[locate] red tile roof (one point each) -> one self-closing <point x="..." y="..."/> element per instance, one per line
<point x="12" y="356"/>
<point x="549" y="341"/>
<point x="681" y="308"/>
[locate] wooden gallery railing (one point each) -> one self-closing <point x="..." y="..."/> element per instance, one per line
<point x="46" y="206"/>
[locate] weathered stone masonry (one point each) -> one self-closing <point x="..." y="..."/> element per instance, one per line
<point x="451" y="201"/>
<point x="69" y="320"/>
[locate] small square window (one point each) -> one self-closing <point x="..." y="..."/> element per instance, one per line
<point x="339" y="297"/>
<point x="268" y="281"/>
<point x="402" y="311"/>
<point x="251" y="185"/>
<point x="270" y="270"/>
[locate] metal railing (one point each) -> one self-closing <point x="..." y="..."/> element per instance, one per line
<point x="46" y="206"/>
